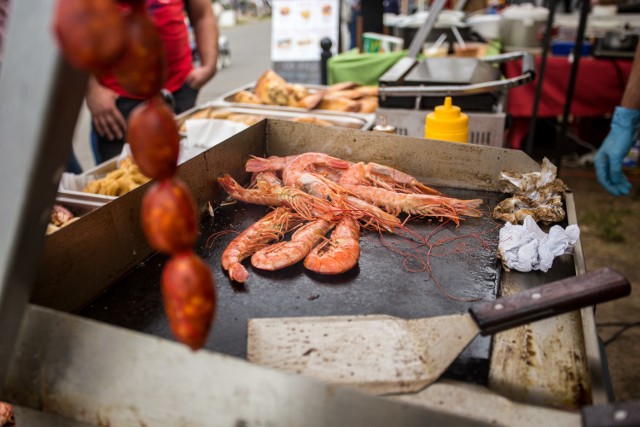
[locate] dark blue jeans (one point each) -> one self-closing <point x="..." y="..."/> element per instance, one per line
<point x="353" y="29"/>
<point x="73" y="165"/>
<point x="105" y="149"/>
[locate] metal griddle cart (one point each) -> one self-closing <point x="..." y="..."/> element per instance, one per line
<point x="413" y="87"/>
<point x="409" y="93"/>
<point x="83" y="340"/>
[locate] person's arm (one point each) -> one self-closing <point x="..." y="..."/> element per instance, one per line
<point x="107" y="119"/>
<point x="205" y="30"/>
<point x="631" y="97"/>
<point x="625" y="124"/>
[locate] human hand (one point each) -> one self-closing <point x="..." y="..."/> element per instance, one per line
<point x="199" y="76"/>
<point x="107" y="119"/>
<point x="608" y="160"/>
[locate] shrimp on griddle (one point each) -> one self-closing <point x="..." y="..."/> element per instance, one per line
<point x="355" y="175"/>
<point x="283" y="254"/>
<point x="271" y="163"/>
<point x="305" y="162"/>
<point x="269" y="177"/>
<point x="277" y="164"/>
<point x="270" y="228"/>
<point x="392" y="179"/>
<point x="296" y="174"/>
<point x="347" y="204"/>
<point x="332" y="174"/>
<point x="333" y="168"/>
<point x="340" y="253"/>
<point x="269" y="194"/>
<point x="423" y="205"/>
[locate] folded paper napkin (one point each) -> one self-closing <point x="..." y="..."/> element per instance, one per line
<point x="526" y="247"/>
<point x="203" y="134"/>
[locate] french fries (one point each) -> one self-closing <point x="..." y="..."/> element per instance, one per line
<point x="118" y="182"/>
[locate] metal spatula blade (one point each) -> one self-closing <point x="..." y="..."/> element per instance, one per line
<point x="384" y="354"/>
<point x="361" y="350"/>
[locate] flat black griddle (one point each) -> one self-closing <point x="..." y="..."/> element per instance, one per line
<point x="377" y="285"/>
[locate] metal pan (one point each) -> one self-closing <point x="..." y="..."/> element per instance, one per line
<point x="227" y="99"/>
<point x="361" y="121"/>
<point x="79" y="206"/>
<point x="89" y="199"/>
<point x="527" y="75"/>
<point x="249" y="87"/>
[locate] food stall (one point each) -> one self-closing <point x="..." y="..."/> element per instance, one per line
<point x="85" y="340"/>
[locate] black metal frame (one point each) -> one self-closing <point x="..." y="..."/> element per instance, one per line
<point x="577" y="54"/>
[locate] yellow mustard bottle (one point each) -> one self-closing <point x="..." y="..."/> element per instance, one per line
<point x="447" y="123"/>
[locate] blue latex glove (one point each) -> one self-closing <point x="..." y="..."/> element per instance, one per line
<point x="608" y="162"/>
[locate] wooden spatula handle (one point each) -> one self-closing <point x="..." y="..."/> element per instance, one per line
<point x="620" y="414"/>
<point x="549" y="300"/>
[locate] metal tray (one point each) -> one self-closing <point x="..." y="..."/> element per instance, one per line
<point x="90" y="199"/>
<point x="361" y="121"/>
<point x="108" y="253"/>
<point x="227" y="99"/>
<point x="79" y="207"/>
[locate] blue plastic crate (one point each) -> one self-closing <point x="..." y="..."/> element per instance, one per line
<point x="565" y="48"/>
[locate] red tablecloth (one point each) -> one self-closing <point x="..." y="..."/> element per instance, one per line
<point x="598" y="90"/>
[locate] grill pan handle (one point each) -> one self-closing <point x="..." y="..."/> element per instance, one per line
<point x="549" y="300"/>
<point x="528" y="74"/>
<point x="528" y="64"/>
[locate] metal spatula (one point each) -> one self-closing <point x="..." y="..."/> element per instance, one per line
<point x="384" y="354"/>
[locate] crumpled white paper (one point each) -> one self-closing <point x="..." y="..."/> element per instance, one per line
<point x="203" y="134"/>
<point x="526" y="247"/>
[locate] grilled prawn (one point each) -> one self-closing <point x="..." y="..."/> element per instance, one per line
<point x="271" y="163"/>
<point x="270" y="228"/>
<point x="381" y="176"/>
<point x="340" y="253"/>
<point x="304" y="162"/>
<point x="269" y="177"/>
<point x="296" y="174"/>
<point x="348" y="205"/>
<point x="268" y="193"/>
<point x="277" y="164"/>
<point x="283" y="254"/>
<point x="423" y="205"/>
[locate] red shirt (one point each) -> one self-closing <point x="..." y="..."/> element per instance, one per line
<point x="168" y="16"/>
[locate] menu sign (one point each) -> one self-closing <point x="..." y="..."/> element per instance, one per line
<point x="297" y="26"/>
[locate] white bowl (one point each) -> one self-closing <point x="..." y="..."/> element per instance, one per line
<point x="488" y="26"/>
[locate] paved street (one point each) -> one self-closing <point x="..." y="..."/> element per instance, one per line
<point x="250" y="56"/>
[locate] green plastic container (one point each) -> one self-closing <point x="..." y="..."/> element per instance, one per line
<point x="363" y="68"/>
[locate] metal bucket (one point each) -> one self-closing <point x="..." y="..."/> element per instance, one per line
<point x="522" y="33"/>
<point x="522" y="26"/>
